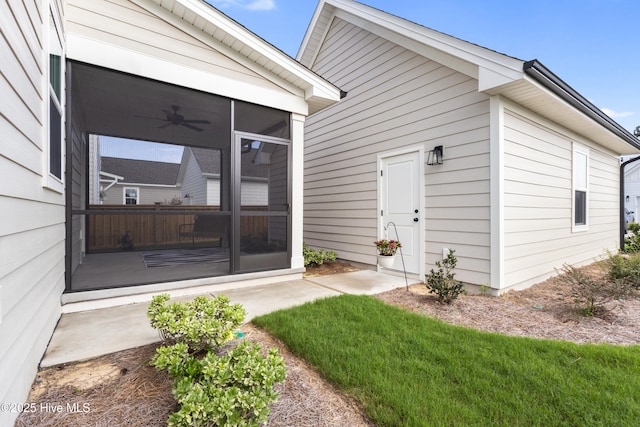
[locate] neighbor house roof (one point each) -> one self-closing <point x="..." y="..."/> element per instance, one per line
<point x="209" y="163"/>
<point x="141" y="171"/>
<point x="527" y="83"/>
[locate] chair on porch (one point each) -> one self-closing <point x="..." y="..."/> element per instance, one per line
<point x="206" y="226"/>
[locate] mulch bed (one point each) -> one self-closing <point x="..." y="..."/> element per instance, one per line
<point x="122" y="389"/>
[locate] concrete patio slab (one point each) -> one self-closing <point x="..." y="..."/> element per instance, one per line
<point x="87" y="334"/>
<point x="362" y="282"/>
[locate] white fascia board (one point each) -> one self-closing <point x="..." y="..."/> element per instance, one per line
<point x="119" y="58"/>
<point x="110" y="175"/>
<point x="266" y="51"/>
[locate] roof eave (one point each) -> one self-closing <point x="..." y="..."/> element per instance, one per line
<point x="278" y="67"/>
<point x="550" y="81"/>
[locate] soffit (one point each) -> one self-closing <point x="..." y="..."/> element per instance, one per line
<point x="208" y="24"/>
<point x="531" y="95"/>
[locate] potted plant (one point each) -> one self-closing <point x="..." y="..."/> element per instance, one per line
<point x="387" y="252"/>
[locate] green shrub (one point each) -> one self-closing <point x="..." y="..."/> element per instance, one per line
<point x="316" y="257"/>
<point x="632" y="242"/>
<point x="231" y="390"/>
<point x="201" y="324"/>
<point x="442" y="281"/>
<point x="624" y="267"/>
<point x="590" y="294"/>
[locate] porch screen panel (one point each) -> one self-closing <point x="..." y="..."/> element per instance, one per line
<point x="264" y="205"/>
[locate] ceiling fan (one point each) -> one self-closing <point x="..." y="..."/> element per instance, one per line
<point x="173" y="118"/>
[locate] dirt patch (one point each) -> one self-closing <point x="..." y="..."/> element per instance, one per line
<point x="329" y="268"/>
<point x="122" y="389"/>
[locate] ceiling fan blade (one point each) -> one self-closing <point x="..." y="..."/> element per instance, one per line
<point x="148" y="117"/>
<point x="165" y="125"/>
<point x="204" y="122"/>
<point x="191" y="127"/>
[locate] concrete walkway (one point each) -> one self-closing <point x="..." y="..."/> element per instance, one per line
<point x="92" y="333"/>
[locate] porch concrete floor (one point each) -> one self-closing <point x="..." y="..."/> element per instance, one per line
<point x="118" y="269"/>
<point x="88" y="334"/>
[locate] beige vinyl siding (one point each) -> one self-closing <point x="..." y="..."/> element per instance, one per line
<point x="538" y="200"/>
<point x="32" y="226"/>
<point x="122" y="23"/>
<point x="147" y="195"/>
<point x="78" y="188"/>
<point x="396" y="98"/>
<point x="194" y="183"/>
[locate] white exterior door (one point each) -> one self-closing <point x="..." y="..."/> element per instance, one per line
<point x="401" y="207"/>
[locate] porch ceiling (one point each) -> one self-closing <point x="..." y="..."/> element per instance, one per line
<point x="116" y="104"/>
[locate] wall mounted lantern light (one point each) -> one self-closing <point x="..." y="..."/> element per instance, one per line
<point x="627" y="199"/>
<point x="436" y="156"/>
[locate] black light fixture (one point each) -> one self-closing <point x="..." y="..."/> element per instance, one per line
<point x="436" y="156"/>
<point x="627" y="199"/>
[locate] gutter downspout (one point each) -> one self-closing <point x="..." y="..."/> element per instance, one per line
<point x="622" y="226"/>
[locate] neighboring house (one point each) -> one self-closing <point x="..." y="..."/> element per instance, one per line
<point x="154" y="70"/>
<point x="138" y="182"/>
<point x="631" y="187"/>
<point x="529" y="174"/>
<point x="199" y="179"/>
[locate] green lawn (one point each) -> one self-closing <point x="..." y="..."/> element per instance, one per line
<point x="409" y="370"/>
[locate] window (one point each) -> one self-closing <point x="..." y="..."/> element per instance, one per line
<point x="131" y="196"/>
<point x="580" y="187"/>
<point x="56" y="112"/>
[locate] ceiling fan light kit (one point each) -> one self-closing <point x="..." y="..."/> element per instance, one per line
<point x="172" y="117"/>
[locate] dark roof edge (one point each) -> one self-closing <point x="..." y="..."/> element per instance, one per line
<point x="548" y="79"/>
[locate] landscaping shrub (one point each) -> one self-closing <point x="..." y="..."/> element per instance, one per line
<point x="316" y="256"/>
<point x="442" y="281"/>
<point x="632" y="242"/>
<point x="202" y="323"/>
<point x="624" y="267"/>
<point x="590" y="294"/>
<point x="233" y="389"/>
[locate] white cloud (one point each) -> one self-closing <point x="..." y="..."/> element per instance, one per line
<point x="245" y="4"/>
<point x="616" y="114"/>
<point x="261" y="5"/>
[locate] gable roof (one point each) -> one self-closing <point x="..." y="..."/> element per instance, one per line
<point x="209" y="163"/>
<point x="527" y="83"/>
<point x="222" y="34"/>
<point x="141" y="171"/>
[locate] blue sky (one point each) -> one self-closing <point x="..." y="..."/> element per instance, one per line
<point x="591" y="44"/>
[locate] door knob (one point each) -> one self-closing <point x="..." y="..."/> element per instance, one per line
<point x="415" y="219"/>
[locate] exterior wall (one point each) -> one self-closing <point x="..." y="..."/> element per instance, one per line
<point x="147" y="195"/>
<point x="396" y="99"/>
<point x="78" y="156"/>
<point x="193" y="183"/>
<point x="254" y="193"/>
<point x="122" y="23"/>
<point x="32" y="230"/>
<point x="538" y="200"/>
<point x="632" y="188"/>
<point x="95" y="166"/>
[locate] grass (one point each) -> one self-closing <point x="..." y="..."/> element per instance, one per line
<point x="409" y="370"/>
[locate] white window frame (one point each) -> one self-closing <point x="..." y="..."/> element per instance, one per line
<point x="580" y="183"/>
<point x="124" y="195"/>
<point x="55" y="45"/>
